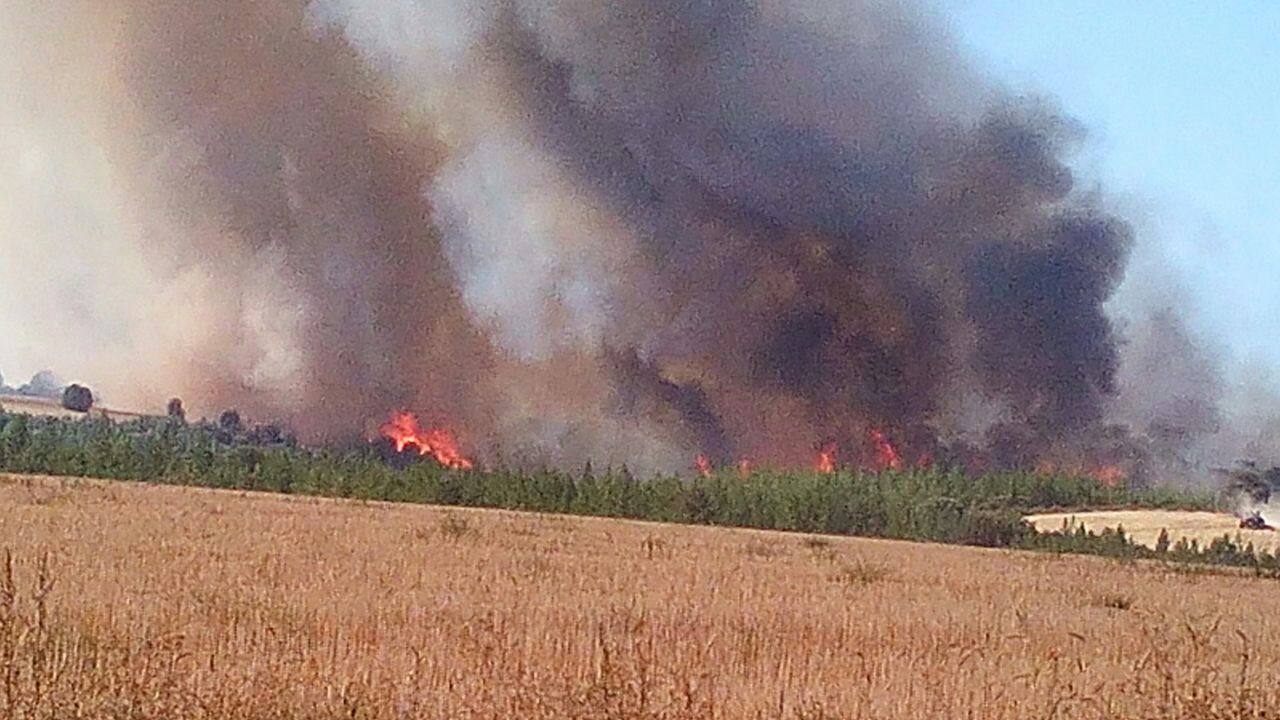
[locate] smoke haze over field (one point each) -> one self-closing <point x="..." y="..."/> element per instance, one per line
<point x="575" y="229"/>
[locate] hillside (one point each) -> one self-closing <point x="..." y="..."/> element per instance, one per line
<point x="175" y="602"/>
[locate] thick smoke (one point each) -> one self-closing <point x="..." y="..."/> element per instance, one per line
<point x="802" y="221"/>
<point x="574" y="229"/>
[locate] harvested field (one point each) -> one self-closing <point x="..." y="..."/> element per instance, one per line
<point x="162" y="602"/>
<point x="1144" y="526"/>
<point x="46" y="407"/>
<point x="39" y="407"/>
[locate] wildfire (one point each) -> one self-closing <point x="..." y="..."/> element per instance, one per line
<point x="703" y="465"/>
<point x="826" y="461"/>
<point x="403" y="430"/>
<point x="1109" y="475"/>
<point x="887" y="456"/>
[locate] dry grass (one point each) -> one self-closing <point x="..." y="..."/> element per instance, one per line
<point x="153" y="602"/>
<point x="39" y="407"/>
<point x="1144" y="526"/>
<point x="48" y="407"/>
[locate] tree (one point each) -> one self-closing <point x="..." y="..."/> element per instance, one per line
<point x="43" y="384"/>
<point x="230" y="421"/>
<point x="14" y="438"/>
<point x="176" y="411"/>
<point x="1254" y="482"/>
<point x="78" y="398"/>
<point x="270" y="434"/>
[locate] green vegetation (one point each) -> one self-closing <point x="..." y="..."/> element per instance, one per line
<point x="928" y="505"/>
<point x="1225" y="550"/>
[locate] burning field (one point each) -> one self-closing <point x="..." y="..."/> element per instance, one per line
<point x="676" y="236"/>
<point x="150" y="602"/>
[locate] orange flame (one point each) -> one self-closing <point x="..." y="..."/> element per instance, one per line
<point x="886" y="454"/>
<point x="1109" y="475"/>
<point x="826" y="461"/>
<point x="703" y="465"/>
<point x="403" y="429"/>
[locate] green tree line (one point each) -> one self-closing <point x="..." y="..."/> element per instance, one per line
<point x="935" y="505"/>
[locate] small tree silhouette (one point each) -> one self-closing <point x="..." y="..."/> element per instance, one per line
<point x="176" y="411"/>
<point x="43" y="384"/>
<point x="78" y="398"/>
<point x="230" y="421"/>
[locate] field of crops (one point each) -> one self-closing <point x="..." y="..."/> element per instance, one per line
<point x="149" y="602"/>
<point x="39" y="407"/>
<point x="1145" y="526"/>
<point x="52" y="408"/>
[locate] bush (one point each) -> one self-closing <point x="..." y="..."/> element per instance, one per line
<point x="996" y="527"/>
<point x="176" y="411"/>
<point x="229" y="421"/>
<point x="78" y="398"/>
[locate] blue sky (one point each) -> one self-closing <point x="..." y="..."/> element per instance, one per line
<point x="1181" y="101"/>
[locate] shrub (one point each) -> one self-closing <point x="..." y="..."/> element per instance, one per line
<point x="996" y="527"/>
<point x="78" y="398"/>
<point x="176" y="411"/>
<point x="230" y="421"/>
<point x="1162" y="542"/>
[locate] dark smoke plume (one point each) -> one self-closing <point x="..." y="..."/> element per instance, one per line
<point x="583" y="230"/>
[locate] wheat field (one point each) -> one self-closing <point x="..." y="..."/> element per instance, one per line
<point x="1144" y="526"/>
<point x="149" y="602"/>
<point x="52" y="408"/>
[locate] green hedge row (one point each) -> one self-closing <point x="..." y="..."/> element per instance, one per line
<point x="930" y="505"/>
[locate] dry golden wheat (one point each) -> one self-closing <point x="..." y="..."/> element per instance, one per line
<point x="1144" y="526"/>
<point x="149" y="602"/>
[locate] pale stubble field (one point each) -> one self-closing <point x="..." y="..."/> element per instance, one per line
<point x="163" y="602"/>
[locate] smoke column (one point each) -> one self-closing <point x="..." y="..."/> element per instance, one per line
<point x="625" y="232"/>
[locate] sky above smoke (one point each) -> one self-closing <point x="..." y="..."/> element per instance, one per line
<point x="578" y="230"/>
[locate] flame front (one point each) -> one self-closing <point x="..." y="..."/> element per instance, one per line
<point x="703" y="465"/>
<point x="887" y="456"/>
<point x="826" y="460"/>
<point x="1109" y="475"/>
<point x="403" y="430"/>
